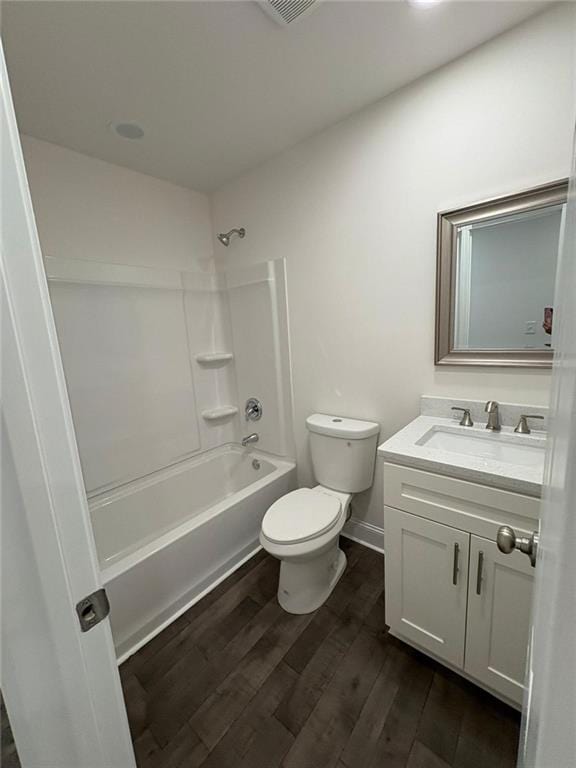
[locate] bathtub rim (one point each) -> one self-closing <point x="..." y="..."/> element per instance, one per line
<point x="281" y="467"/>
<point x="104" y="496"/>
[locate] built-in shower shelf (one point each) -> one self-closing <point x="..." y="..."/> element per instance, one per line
<point x="212" y="358"/>
<point x="217" y="414"/>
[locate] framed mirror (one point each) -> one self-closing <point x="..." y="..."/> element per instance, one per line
<point x="496" y="273"/>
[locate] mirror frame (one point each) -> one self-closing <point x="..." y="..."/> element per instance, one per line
<point x="448" y="223"/>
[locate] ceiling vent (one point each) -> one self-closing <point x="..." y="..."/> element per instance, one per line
<point x="285" y="12"/>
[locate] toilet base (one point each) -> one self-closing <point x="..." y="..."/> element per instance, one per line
<point x="305" y="585"/>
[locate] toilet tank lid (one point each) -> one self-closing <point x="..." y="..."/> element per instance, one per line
<point x="340" y="426"/>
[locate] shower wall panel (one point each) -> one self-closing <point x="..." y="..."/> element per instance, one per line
<point x="125" y="353"/>
<point x="209" y="331"/>
<point x="259" y="321"/>
<point x="130" y="338"/>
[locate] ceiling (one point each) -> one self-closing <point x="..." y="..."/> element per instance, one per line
<point x="218" y="87"/>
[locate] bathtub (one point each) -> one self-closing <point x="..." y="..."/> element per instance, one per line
<point x="165" y="541"/>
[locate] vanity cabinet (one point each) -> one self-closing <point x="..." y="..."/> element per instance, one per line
<point x="449" y="590"/>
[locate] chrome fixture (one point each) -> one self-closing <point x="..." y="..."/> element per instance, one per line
<point x="224" y="237"/>
<point x="253" y="409"/>
<point x="507" y="542"/>
<point x="455" y="566"/>
<point x="253" y="438"/>
<point x="466" y="420"/>
<point x="255" y="464"/>
<point x="522" y="426"/>
<point x="492" y="409"/>
<point x="479" y="571"/>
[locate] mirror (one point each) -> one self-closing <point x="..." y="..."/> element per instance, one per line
<point x="496" y="274"/>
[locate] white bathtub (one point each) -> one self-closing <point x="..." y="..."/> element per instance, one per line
<point x="164" y="541"/>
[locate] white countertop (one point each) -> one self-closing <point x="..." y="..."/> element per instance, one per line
<point x="402" y="448"/>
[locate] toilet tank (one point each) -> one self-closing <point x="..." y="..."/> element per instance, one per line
<point x="343" y="451"/>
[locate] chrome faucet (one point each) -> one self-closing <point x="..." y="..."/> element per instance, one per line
<point x="466" y="420"/>
<point x="493" y="412"/>
<point x="253" y="438"/>
<point x="522" y="426"/>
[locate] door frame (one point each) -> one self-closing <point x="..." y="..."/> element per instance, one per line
<point x="549" y="711"/>
<point x="78" y="694"/>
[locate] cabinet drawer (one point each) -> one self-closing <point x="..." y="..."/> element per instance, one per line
<point x="458" y="503"/>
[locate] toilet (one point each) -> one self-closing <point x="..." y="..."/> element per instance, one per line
<point x="302" y="528"/>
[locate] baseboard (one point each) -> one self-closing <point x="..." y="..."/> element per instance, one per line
<point x="365" y="533"/>
<point x="194" y="595"/>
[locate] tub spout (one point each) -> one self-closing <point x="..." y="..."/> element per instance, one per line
<point x="253" y="438"/>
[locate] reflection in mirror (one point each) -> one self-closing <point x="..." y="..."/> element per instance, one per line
<point x="506" y="269"/>
<point x="496" y="278"/>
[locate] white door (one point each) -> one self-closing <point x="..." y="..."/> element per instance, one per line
<point x="549" y="716"/>
<point x="427" y="583"/>
<point x="61" y="685"/>
<point x="499" y="605"/>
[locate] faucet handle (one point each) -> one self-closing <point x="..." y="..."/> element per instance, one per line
<point x="466" y="420"/>
<point x="522" y="426"/>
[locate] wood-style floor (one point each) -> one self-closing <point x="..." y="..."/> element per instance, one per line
<point x="237" y="682"/>
<point x="8" y="753"/>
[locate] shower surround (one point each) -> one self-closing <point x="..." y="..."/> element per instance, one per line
<point x="160" y="352"/>
<point x="158" y="366"/>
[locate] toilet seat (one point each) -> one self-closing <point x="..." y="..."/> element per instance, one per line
<point x="300" y="516"/>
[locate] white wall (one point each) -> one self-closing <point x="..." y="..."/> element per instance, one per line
<point x="353" y="211"/>
<point x="89" y="209"/>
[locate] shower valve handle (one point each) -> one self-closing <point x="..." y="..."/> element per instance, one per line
<point x="253" y="409"/>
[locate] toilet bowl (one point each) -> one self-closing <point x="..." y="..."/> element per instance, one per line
<point x="302" y="529"/>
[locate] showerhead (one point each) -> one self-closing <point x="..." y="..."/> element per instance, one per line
<point x="224" y="237"/>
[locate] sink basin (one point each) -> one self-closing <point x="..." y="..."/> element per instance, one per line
<point x="496" y="446"/>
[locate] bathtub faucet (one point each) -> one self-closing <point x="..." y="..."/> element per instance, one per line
<point x="253" y="438"/>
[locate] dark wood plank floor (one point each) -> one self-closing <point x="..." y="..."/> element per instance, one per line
<point x="237" y="682"/>
<point x="8" y="754"/>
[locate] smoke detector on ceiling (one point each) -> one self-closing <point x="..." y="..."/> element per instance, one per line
<point x="285" y="12"/>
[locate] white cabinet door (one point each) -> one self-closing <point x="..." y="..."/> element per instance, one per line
<point x="499" y="605"/>
<point x="427" y="583"/>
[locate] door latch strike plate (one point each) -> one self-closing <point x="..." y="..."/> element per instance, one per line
<point x="92" y="609"/>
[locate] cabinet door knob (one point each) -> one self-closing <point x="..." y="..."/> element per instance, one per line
<point x="507" y="542"/>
